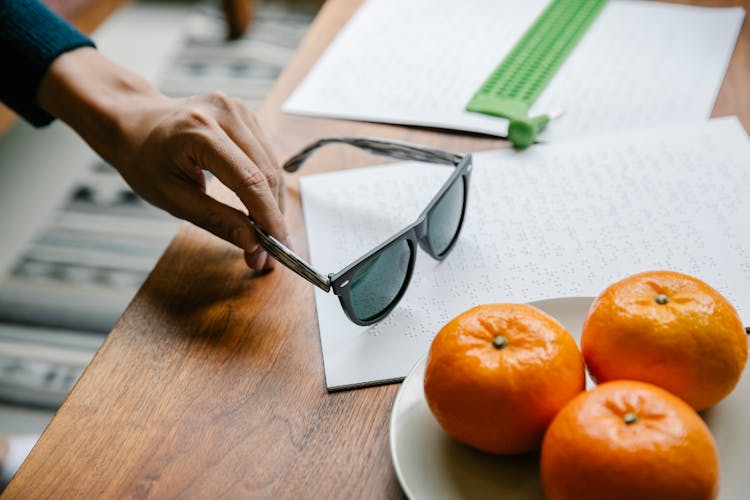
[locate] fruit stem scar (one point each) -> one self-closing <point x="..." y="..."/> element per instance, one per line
<point x="630" y="418"/>
<point x="499" y="342"/>
<point x="662" y="299"/>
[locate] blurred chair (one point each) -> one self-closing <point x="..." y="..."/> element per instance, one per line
<point x="238" y="13"/>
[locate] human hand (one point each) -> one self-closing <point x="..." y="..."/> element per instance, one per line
<point x="161" y="147"/>
<point x="212" y="132"/>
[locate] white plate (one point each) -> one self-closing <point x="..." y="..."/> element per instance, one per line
<point x="430" y="465"/>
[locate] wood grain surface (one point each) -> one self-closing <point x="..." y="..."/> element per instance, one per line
<point x="211" y="384"/>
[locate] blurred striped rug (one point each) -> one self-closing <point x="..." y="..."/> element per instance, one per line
<point x="75" y="277"/>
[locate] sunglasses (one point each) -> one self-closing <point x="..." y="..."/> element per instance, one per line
<point x="370" y="287"/>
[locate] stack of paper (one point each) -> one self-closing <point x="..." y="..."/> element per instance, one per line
<point x="565" y="218"/>
<point x="557" y="220"/>
<point x="419" y="62"/>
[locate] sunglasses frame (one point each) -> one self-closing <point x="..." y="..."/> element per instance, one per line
<point x="416" y="233"/>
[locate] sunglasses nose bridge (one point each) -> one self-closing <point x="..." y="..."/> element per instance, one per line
<point x="420" y="232"/>
<point x="421" y="238"/>
<point x="422" y="229"/>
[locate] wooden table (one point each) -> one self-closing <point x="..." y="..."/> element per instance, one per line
<point x="211" y="384"/>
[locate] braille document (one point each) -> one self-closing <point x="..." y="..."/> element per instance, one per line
<point x="562" y="219"/>
<point x="420" y="62"/>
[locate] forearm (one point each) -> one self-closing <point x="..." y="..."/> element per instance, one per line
<point x="161" y="146"/>
<point x="102" y="101"/>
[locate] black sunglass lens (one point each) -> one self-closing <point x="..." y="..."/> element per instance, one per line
<point x="377" y="282"/>
<point x="445" y="217"/>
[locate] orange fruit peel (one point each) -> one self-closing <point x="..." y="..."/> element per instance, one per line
<point x="668" y="329"/>
<point x="625" y="440"/>
<point x="497" y="374"/>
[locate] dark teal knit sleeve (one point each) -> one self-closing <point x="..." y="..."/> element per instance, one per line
<point x="31" y="37"/>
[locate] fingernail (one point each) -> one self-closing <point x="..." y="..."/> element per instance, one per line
<point x="258" y="260"/>
<point x="242" y="239"/>
<point x="249" y="259"/>
<point x="270" y="263"/>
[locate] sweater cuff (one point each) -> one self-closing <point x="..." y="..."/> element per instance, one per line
<point x="31" y="38"/>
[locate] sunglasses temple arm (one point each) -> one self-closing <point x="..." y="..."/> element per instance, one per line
<point x="291" y="260"/>
<point x="381" y="147"/>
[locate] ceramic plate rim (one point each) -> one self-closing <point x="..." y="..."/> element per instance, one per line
<point x="724" y="419"/>
<point x="418" y="366"/>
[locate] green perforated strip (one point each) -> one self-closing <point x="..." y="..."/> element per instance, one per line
<point x="518" y="80"/>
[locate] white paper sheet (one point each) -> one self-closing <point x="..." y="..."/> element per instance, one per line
<point x="419" y="62"/>
<point x="563" y="219"/>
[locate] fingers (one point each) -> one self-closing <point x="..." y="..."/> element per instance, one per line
<point x="194" y="205"/>
<point x="240" y="125"/>
<point x="260" y="139"/>
<point x="218" y="134"/>
<point x="218" y="153"/>
<point x="259" y="259"/>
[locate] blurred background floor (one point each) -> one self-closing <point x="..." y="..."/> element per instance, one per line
<point x="76" y="242"/>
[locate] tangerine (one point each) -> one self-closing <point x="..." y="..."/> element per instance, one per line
<point x="669" y="329"/>
<point x="497" y="374"/>
<point x="625" y="440"/>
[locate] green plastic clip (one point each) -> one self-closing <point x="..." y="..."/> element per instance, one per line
<point x="517" y="81"/>
<point x="522" y="132"/>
